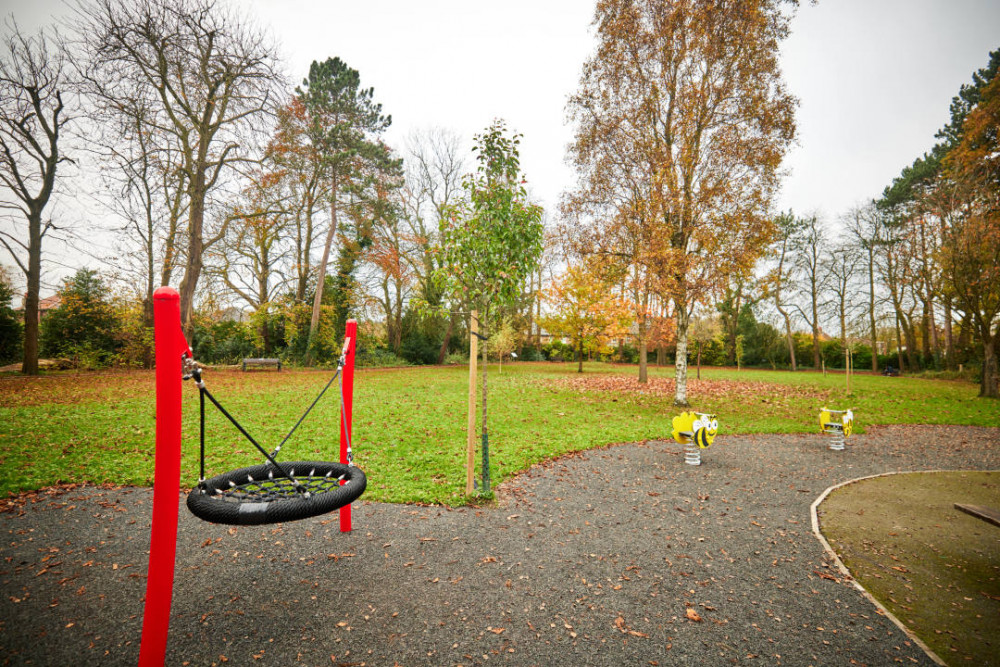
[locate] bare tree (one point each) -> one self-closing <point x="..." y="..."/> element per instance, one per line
<point x="33" y="116"/>
<point x="840" y="267"/>
<point x="305" y="173"/>
<point x="810" y="252"/>
<point x="433" y="187"/>
<point x="783" y="274"/>
<point x="896" y="272"/>
<point x="864" y="224"/>
<point x="145" y="190"/>
<point x="249" y="260"/>
<point x="207" y="79"/>
<point x="387" y="253"/>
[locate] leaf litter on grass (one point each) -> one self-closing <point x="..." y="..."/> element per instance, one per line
<point x="665" y="387"/>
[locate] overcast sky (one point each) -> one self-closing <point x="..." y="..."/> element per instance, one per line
<point x="874" y="77"/>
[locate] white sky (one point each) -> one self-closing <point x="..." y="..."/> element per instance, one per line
<point x="874" y="77"/>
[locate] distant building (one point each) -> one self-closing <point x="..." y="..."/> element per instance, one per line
<point x="44" y="305"/>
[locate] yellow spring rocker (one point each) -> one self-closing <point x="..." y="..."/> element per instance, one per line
<point x="839" y="424"/>
<point x="696" y="431"/>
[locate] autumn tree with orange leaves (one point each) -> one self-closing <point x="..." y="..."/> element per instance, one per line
<point x="682" y="120"/>
<point x="585" y="310"/>
<point x="970" y="255"/>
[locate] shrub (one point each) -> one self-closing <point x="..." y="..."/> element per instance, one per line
<point x="557" y="350"/>
<point x="420" y="348"/>
<point x="135" y="338"/>
<point x="456" y="359"/>
<point x="225" y="342"/>
<point x="85" y="326"/>
<point x="378" y="357"/>
<point x="862" y="358"/>
<point x="11" y="328"/>
<point x="529" y="354"/>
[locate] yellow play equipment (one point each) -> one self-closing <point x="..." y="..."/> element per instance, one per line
<point x="697" y="430"/>
<point x="837" y="423"/>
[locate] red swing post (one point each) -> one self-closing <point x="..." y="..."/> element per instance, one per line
<point x="347" y="406"/>
<point x="170" y="344"/>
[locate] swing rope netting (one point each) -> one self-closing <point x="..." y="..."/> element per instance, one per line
<point x="272" y="492"/>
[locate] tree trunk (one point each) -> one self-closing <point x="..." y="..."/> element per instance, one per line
<point x="196" y="245"/>
<point x="680" y="376"/>
<point x="699" y="360"/>
<point x="321" y="279"/>
<point x="911" y="344"/>
<point x="443" y="352"/>
<point x="29" y="365"/>
<point x="843" y="321"/>
<point x="538" y="316"/>
<point x="788" y="335"/>
<point x="397" y="342"/>
<point x="949" y="349"/>
<point x="935" y="346"/>
<point x="303" y="250"/>
<point x="899" y="345"/>
<point x="815" y="330"/>
<point x="988" y="386"/>
<point x="536" y="295"/>
<point x="579" y="354"/>
<point x="643" y="371"/>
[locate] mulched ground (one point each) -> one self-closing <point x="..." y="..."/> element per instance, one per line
<point x="623" y="555"/>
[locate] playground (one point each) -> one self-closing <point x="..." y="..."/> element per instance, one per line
<point x="619" y="555"/>
<point x="658" y="550"/>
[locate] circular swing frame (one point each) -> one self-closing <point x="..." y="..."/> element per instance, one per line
<point x="257" y="495"/>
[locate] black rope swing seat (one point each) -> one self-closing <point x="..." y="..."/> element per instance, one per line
<point x="272" y="492"/>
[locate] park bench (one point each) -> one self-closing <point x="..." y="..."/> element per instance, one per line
<point x="250" y="362"/>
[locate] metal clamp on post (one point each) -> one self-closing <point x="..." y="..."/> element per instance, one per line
<point x="343" y="353"/>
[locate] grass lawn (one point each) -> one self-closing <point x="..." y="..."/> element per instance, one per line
<point x="409" y="424"/>
<point x="936" y="568"/>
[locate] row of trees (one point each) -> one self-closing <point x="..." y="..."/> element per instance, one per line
<point x="909" y="279"/>
<point x="247" y="195"/>
<point x="212" y="168"/>
<point x="938" y="228"/>
<point x="287" y="206"/>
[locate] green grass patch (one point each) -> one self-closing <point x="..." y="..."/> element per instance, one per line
<point x="936" y="568"/>
<point x="409" y="423"/>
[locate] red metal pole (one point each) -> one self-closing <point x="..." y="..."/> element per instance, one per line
<point x="347" y="386"/>
<point x="166" y="482"/>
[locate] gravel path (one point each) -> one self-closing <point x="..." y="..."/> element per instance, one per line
<point x="609" y="557"/>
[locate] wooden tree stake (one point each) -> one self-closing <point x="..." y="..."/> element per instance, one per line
<point x="471" y="429"/>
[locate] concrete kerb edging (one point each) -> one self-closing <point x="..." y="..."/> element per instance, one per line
<point x="847" y="573"/>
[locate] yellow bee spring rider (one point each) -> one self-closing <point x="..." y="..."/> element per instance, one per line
<point x="839" y="424"/>
<point x="696" y="430"/>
